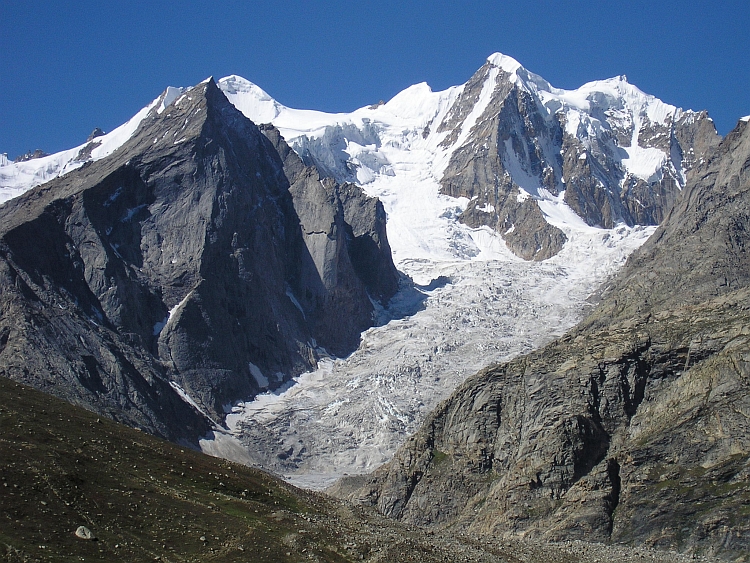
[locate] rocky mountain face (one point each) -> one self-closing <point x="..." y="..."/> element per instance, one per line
<point x="611" y="153"/>
<point x="198" y="264"/>
<point x="354" y="222"/>
<point x="633" y="427"/>
<point x="31" y="155"/>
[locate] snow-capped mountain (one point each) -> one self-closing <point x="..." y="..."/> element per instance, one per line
<point x="631" y="429"/>
<point x="474" y="180"/>
<point x="530" y="159"/>
<point x="513" y="152"/>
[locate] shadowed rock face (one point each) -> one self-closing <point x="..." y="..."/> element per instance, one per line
<point x="199" y="255"/>
<point x="631" y="428"/>
<point x="352" y="225"/>
<point x="519" y="146"/>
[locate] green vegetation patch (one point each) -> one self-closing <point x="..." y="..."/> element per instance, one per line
<point x="439" y="458"/>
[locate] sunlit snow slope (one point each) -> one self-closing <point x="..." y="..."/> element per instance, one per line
<point x="18" y="177"/>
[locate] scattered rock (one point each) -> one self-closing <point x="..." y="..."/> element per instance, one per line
<point x="84" y="533"/>
<point x="94" y="134"/>
<point x="31" y="155"/>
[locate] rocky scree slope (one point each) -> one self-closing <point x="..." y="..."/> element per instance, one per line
<point x="196" y="265"/>
<point x="633" y="427"/>
<point x="144" y="499"/>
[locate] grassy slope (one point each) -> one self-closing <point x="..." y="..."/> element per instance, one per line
<point x="63" y="467"/>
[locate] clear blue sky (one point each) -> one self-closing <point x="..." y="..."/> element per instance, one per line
<point x="66" y="68"/>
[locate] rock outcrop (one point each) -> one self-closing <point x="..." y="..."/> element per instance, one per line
<point x="351" y="226"/>
<point x="197" y="265"/>
<point x="633" y="427"/>
<point x="31" y="155"/>
<point x="97" y="132"/>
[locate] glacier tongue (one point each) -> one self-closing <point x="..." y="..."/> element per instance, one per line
<point x="351" y="414"/>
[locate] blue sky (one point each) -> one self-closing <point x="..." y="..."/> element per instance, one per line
<point x="69" y="67"/>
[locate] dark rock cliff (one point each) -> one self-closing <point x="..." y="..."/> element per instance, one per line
<point x="634" y="427"/>
<point x="352" y="227"/>
<point x="200" y="257"/>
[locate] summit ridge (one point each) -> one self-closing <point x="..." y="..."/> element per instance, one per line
<point x="532" y="160"/>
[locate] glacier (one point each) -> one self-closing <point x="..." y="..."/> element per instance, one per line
<point x="470" y="302"/>
<point x="465" y="302"/>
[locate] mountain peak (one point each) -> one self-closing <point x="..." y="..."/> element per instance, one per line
<point x="250" y="99"/>
<point x="235" y="84"/>
<point x="508" y="64"/>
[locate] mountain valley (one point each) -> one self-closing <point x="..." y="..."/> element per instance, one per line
<point x="320" y="295"/>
